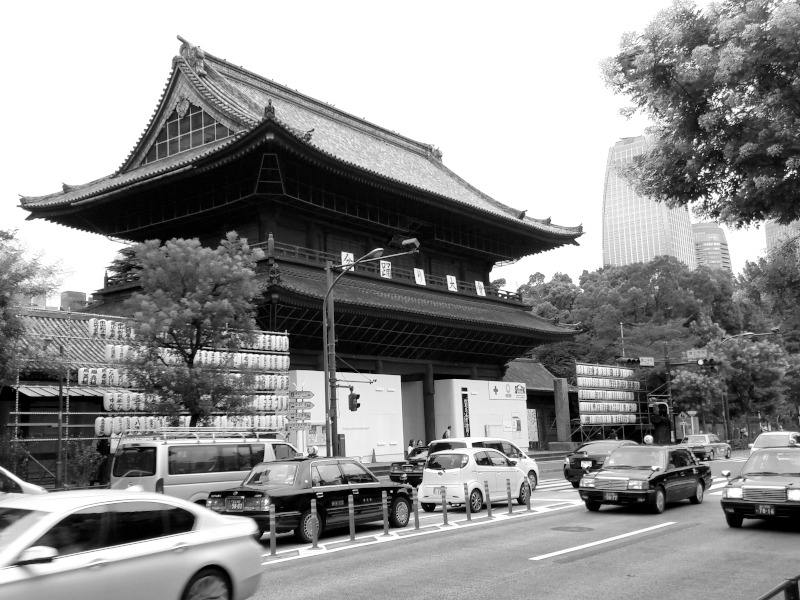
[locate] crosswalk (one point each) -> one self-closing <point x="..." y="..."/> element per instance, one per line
<point x="562" y="485"/>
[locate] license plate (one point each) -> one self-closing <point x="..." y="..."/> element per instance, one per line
<point x="235" y="504"/>
<point x="610" y="496"/>
<point x="765" y="509"/>
<point x="438" y="491"/>
<point x="586" y="464"/>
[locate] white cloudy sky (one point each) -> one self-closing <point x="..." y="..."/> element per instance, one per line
<point x="509" y="91"/>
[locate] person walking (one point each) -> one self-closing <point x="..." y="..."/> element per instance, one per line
<point x="448" y="432"/>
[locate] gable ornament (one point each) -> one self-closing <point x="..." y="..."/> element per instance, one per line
<point x="193" y="55"/>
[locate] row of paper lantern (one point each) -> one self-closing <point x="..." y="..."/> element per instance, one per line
<point x="272" y="382"/>
<point x="607" y="419"/>
<point x="275" y="342"/>
<point x="138" y="402"/>
<point x="237" y="360"/>
<point x="103" y="377"/>
<point x="106" y="426"/>
<point x="263" y="402"/>
<point x="109" y="329"/>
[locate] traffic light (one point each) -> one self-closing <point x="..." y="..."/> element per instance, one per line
<point x="633" y="362"/>
<point x="708" y="363"/>
<point x="352" y="399"/>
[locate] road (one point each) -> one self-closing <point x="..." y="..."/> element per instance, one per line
<point x="557" y="550"/>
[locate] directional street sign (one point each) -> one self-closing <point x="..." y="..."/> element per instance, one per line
<point x="297" y="417"/>
<point x="299" y="405"/>
<point x="301" y="394"/>
<point x="298" y="426"/>
<point x="646" y="361"/>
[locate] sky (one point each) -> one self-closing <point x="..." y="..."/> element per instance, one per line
<point x="510" y="92"/>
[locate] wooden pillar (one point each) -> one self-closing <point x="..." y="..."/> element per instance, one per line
<point x="562" y="409"/>
<point x="428" y="404"/>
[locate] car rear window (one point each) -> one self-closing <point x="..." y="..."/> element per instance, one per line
<point x="599" y="447"/>
<point x="135" y="461"/>
<point x="272" y="474"/>
<point x="695" y="439"/>
<point x="771" y="441"/>
<point x="442" y="462"/>
<point x="444" y="445"/>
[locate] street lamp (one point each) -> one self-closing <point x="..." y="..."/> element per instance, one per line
<point x="329" y="337"/>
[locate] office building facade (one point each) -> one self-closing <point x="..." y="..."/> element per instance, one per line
<point x="711" y="246"/>
<point x="637" y="228"/>
<point x="777" y="233"/>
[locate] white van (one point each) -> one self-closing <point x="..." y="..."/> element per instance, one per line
<point x="510" y="449"/>
<point x="190" y="463"/>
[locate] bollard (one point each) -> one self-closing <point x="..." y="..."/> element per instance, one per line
<point x="272" y="529"/>
<point x="466" y="502"/>
<point x="351" y="511"/>
<point x="508" y="491"/>
<point x="315" y="524"/>
<point x="528" y="501"/>
<point x="415" y="501"/>
<point x="488" y="500"/>
<point x="444" y="504"/>
<point x="385" y="513"/>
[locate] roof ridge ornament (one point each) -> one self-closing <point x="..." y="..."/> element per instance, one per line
<point x="269" y="110"/>
<point x="193" y="55"/>
<point x="434" y="152"/>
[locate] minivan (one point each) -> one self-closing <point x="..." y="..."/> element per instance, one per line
<point x="189" y="463"/>
<point x="510" y="449"/>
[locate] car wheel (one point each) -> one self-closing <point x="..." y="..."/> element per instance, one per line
<point x="475" y="500"/>
<point x="304" y="531"/>
<point x="399" y="512"/>
<point x="532" y="479"/>
<point x="592" y="506"/>
<point x="727" y="452"/>
<point x="697" y="498"/>
<point x="576" y="484"/>
<point x="208" y="584"/>
<point x="524" y="493"/>
<point x="734" y="521"/>
<point x="428" y="507"/>
<point x="712" y="455"/>
<point x="660" y="501"/>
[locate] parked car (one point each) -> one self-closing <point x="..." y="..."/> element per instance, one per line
<point x="648" y="476"/>
<point x="11" y="484"/>
<point x="707" y="446"/>
<point x="767" y="487"/>
<point x="485" y="472"/>
<point x="97" y="544"/>
<point x="776" y="439"/>
<point x="410" y="470"/>
<point x="589" y="457"/>
<point x="288" y="486"/>
<point x="510" y="449"/>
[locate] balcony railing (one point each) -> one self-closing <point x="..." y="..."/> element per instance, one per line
<point x="307" y="256"/>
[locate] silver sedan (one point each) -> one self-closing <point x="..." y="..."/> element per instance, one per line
<point x="126" y="546"/>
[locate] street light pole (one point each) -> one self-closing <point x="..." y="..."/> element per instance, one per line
<point x="329" y="339"/>
<point x="60" y="443"/>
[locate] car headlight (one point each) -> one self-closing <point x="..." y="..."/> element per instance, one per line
<point x="637" y="485"/>
<point x="587" y="482"/>
<point x="732" y="492"/>
<point x="566" y="462"/>
<point x="793" y="495"/>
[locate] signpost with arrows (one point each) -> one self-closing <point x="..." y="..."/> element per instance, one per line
<point x="295" y="410"/>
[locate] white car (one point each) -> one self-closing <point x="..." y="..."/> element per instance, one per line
<point x="510" y="449"/>
<point x="486" y="473"/>
<point x="124" y="545"/>
<point x="776" y="439"/>
<point x="10" y="485"/>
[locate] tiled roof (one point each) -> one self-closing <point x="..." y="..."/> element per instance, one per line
<point x="242" y="96"/>
<point x="420" y="302"/>
<point x="531" y="373"/>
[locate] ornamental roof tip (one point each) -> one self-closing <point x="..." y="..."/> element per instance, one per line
<point x="194" y="56"/>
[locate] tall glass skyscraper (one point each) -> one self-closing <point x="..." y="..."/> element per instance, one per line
<point x="636" y="228"/>
<point x="776" y="233"/>
<point x="711" y="246"/>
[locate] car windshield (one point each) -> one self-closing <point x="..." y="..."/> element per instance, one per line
<point x="598" y="447"/>
<point x="772" y="462"/>
<point x="274" y="473"/>
<point x="14" y="521"/>
<point x="694" y="439"/>
<point x="418" y="453"/>
<point x="632" y="457"/>
<point x="442" y="462"/>
<point x="445" y="445"/>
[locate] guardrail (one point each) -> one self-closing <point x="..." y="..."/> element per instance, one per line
<point x="788" y="587"/>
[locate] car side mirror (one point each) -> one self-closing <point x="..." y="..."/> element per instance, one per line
<point x="513" y="462"/>
<point x="37" y="555"/>
<point x="749" y="445"/>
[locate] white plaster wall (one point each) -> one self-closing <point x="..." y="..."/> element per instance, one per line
<point x="377" y="426"/>
<point x="487" y="416"/>
<point x="413" y="412"/>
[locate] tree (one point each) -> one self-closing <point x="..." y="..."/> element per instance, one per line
<point x="720" y="86"/>
<point x="192" y="298"/>
<point x="20" y="276"/>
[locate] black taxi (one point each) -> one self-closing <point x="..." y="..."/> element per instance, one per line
<point x="410" y="470"/>
<point x="288" y="486"/>
<point x="649" y="476"/>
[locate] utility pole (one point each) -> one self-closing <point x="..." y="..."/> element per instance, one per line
<point x="669" y="393"/>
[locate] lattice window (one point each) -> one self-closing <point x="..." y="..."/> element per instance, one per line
<point x="180" y="133"/>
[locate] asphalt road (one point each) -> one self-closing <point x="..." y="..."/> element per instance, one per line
<point x="558" y="550"/>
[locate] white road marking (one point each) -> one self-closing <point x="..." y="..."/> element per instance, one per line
<point x="605" y="541"/>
